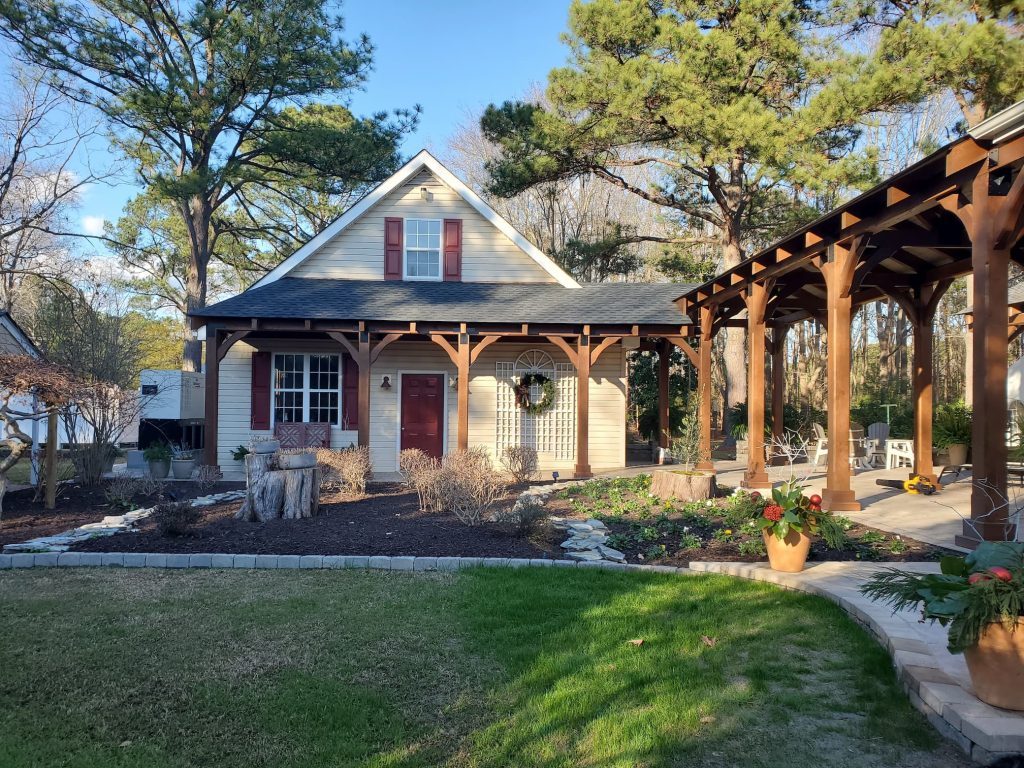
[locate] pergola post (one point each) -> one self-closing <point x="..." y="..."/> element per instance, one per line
<point x="778" y="388"/>
<point x="838" y="272"/>
<point x="707" y="318"/>
<point x="363" y="362"/>
<point x="756" y="298"/>
<point x="212" y="404"/>
<point x="664" y="423"/>
<point x="927" y="301"/>
<point x="582" y="469"/>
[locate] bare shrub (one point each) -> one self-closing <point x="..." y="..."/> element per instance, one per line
<point x="521" y="462"/>
<point x="207" y="476"/>
<point x="423" y="474"/>
<point x="123" y="489"/>
<point x="524" y="515"/>
<point x="176" y="518"/>
<point x="469" y="485"/>
<point x="348" y="469"/>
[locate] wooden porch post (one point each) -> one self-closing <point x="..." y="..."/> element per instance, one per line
<point x="707" y="318"/>
<point x="927" y="301"/>
<point x="664" y="422"/>
<point x="211" y="421"/>
<point x="582" y="469"/>
<point x="52" y="454"/>
<point x="463" y="390"/>
<point x="363" y="361"/>
<point x="778" y="387"/>
<point x="838" y="271"/>
<point x="756" y="298"/>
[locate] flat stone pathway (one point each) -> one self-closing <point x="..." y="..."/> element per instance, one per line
<point x="935" y="680"/>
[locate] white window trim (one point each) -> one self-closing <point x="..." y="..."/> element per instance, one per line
<point x="406" y="249"/>
<point x="305" y="387"/>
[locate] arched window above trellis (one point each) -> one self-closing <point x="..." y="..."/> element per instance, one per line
<point x="535" y="361"/>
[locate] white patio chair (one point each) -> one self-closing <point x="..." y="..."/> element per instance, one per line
<point x="820" y="444"/>
<point x="899" y="453"/>
<point x="878" y="433"/>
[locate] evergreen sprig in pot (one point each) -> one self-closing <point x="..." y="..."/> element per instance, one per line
<point x="788" y="523"/>
<point x="980" y="599"/>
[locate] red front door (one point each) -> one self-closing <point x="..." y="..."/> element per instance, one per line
<point x="423" y="412"/>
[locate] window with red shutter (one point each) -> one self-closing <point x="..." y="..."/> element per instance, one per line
<point x="392" y="249"/>
<point x="453" y="250"/>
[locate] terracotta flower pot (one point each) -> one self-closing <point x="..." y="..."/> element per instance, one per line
<point x="996" y="665"/>
<point x="789" y="553"/>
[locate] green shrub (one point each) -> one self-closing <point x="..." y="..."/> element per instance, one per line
<point x="176" y="518"/>
<point x="753" y="548"/>
<point x="157" y="452"/>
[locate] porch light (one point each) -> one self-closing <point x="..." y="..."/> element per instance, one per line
<point x="385" y="383"/>
<point x="453" y="382"/>
<point x="425" y="193"/>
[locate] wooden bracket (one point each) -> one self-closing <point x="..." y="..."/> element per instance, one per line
<point x="563" y="345"/>
<point x="600" y="348"/>
<point x="343" y="340"/>
<point x="684" y="345"/>
<point x="480" y="346"/>
<point x="444" y="344"/>
<point x="379" y="347"/>
<point x="224" y="346"/>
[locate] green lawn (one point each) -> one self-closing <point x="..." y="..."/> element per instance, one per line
<point x="485" y="667"/>
<point x="19" y="474"/>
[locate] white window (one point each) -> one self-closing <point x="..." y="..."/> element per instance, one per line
<point x="307" y="389"/>
<point x="422" y="249"/>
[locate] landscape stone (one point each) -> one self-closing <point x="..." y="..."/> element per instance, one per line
<point x="589" y="554"/>
<point x="611" y="554"/>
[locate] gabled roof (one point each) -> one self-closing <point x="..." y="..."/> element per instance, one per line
<point x="422" y="160"/>
<point x="7" y="322"/>
<point x="308" y="298"/>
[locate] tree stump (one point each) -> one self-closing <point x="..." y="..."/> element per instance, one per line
<point x="272" y="493"/>
<point x="683" y="485"/>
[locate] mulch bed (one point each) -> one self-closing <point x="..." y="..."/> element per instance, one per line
<point x="385" y="522"/>
<point x="25" y="519"/>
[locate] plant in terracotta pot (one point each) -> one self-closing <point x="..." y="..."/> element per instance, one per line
<point x="951" y="431"/>
<point x="788" y="523"/>
<point x="980" y="598"/>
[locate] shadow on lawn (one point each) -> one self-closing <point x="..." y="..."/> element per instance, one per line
<point x="729" y="672"/>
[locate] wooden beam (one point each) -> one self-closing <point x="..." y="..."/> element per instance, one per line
<point x="664" y="420"/>
<point x="443" y="343"/>
<point x="363" y="361"/>
<point x="381" y="345"/>
<point x="463" y="364"/>
<point x="211" y="415"/>
<point x="582" y="469"/>
<point x="704" y="386"/>
<point x="756" y="300"/>
<point x="52" y="440"/>
<point x="687" y="349"/>
<point x="342" y="339"/>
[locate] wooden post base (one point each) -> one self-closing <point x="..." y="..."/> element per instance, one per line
<point x="839" y="501"/>
<point x="582" y="472"/>
<point x="289" y="494"/>
<point x="755" y="480"/>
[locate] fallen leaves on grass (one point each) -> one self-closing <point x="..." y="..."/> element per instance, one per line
<point x="637" y="642"/>
<point x="710" y="642"/>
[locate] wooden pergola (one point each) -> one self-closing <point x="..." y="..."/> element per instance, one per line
<point x="956" y="212"/>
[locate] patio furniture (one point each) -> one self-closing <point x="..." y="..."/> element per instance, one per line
<point x="899" y="453"/>
<point x="1017" y="471"/>
<point x="878" y="433"/>
<point x="820" y="443"/>
<point x="858" y="448"/>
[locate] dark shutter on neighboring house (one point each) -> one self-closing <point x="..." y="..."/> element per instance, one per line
<point x="349" y="392"/>
<point x="392" y="249"/>
<point x="260" y="390"/>
<point x="453" y="249"/>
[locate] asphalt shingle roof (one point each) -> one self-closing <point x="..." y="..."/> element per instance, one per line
<point x="408" y="301"/>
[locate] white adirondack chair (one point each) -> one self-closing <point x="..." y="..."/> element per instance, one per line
<point x="878" y="433"/>
<point x="820" y="444"/>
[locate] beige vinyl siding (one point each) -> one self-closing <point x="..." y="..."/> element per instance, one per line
<point x="607" y="401"/>
<point x="488" y="256"/>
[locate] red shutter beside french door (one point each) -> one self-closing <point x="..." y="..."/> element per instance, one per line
<point x="260" y="391"/>
<point x="422" y="418"/>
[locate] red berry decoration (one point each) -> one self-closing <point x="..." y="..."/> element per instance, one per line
<point x="974" y="578"/>
<point x="815" y="500"/>
<point x="1000" y="573"/>
<point x="755" y="494"/>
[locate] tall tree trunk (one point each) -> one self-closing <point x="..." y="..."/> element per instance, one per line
<point x="198" y="213"/>
<point x="735" y="355"/>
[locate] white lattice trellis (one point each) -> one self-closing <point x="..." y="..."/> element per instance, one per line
<point x="551" y="433"/>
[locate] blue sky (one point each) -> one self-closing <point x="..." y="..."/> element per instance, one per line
<point x="452" y="57"/>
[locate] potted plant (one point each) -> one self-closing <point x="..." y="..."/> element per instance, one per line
<point x="264" y="444"/>
<point x="787" y="523"/>
<point x="951" y="431"/>
<point x="158" y="456"/>
<point x="182" y="464"/>
<point x="239" y="453"/>
<point x="980" y="598"/>
<point x="298" y="458"/>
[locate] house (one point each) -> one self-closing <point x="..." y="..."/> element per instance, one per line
<point x="412" y="320"/>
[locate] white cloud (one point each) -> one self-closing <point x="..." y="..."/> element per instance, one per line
<point x="93" y="225"/>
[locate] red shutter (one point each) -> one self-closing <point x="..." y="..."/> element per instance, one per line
<point x="260" y="391"/>
<point x="349" y="392"/>
<point x="453" y="249"/>
<point x="392" y="249"/>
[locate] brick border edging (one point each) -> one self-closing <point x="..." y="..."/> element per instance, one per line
<point x="954" y="712"/>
